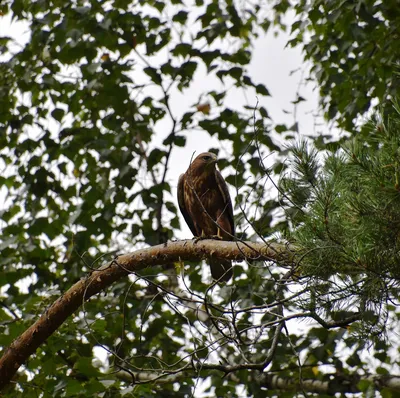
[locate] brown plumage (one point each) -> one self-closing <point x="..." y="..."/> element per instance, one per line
<point x="204" y="200"/>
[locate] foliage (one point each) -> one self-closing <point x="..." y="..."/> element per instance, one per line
<point x="354" y="47"/>
<point x="85" y="176"/>
<point x="344" y="215"/>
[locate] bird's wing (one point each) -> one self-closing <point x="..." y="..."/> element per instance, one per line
<point x="182" y="206"/>
<point x="228" y="211"/>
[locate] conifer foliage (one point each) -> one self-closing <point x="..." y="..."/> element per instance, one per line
<point x="343" y="209"/>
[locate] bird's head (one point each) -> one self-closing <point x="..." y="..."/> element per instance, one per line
<point x="204" y="163"/>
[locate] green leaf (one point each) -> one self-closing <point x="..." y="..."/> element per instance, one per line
<point x="261" y="89"/>
<point x="181" y="17"/>
<point x="84" y="366"/>
<point x="73" y="388"/>
<point x="236" y="72"/>
<point x="281" y="128"/>
<point x="58" y="114"/>
<point x="155" y="157"/>
<point x="364" y="385"/>
<point x="153" y="74"/>
<point x="188" y="68"/>
<point x="183" y="49"/>
<point x="180" y="141"/>
<point x="386" y="393"/>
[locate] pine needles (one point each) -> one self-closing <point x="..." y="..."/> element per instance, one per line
<point x="344" y="209"/>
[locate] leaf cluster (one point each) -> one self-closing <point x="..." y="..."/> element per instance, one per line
<point x="354" y="49"/>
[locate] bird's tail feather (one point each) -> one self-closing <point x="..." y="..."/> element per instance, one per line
<point x="221" y="270"/>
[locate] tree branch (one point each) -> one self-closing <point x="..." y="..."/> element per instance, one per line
<point x="26" y="344"/>
<point x="337" y="384"/>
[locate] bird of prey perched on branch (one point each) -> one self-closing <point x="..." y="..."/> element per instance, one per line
<point x="204" y="200"/>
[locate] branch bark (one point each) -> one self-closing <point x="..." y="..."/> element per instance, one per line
<point x="338" y="384"/>
<point x="28" y="342"/>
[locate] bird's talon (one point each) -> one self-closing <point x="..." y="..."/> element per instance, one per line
<point x="198" y="238"/>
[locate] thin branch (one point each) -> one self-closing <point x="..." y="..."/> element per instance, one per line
<point x="340" y="384"/>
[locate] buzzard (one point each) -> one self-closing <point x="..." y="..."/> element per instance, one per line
<point x="204" y="201"/>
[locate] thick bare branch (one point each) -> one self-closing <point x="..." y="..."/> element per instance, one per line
<point x="26" y="344"/>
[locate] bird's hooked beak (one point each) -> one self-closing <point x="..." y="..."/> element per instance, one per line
<point x="210" y="164"/>
<point x="214" y="158"/>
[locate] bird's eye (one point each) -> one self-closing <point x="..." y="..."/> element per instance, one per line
<point x="206" y="158"/>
